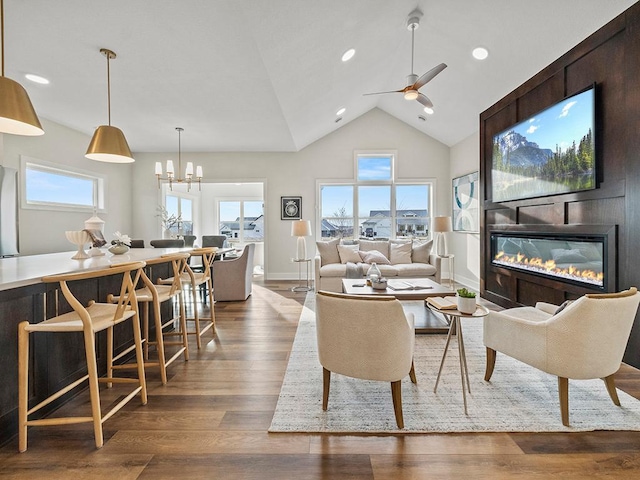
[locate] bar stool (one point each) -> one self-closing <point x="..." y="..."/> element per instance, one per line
<point x="193" y="280"/>
<point x="156" y="295"/>
<point x="90" y="320"/>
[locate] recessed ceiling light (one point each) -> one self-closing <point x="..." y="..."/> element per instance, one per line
<point x="36" y="79"/>
<point x="341" y="111"/>
<point x="480" y="53"/>
<point x="428" y="110"/>
<point x="348" y="55"/>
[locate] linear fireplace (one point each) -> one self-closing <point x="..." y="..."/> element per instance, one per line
<point x="583" y="255"/>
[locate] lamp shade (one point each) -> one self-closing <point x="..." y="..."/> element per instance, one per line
<point x="17" y="115"/>
<point x="442" y="224"/>
<point x="109" y="145"/>
<point x="301" y="228"/>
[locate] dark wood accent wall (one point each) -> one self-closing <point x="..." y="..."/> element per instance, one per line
<point x="610" y="58"/>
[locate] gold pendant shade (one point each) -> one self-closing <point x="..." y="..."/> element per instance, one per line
<point x="17" y="115"/>
<point x="109" y="145"/>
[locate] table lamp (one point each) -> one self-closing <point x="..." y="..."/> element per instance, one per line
<point x="301" y="229"/>
<point x="441" y="225"/>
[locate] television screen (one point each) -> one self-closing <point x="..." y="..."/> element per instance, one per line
<point x="550" y="153"/>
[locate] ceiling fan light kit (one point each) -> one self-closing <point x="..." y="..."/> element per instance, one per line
<point x="414" y="83"/>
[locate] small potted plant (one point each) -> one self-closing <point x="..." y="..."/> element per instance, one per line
<point x="466" y="301"/>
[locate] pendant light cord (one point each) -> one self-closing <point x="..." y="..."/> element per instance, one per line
<point x="413" y="31"/>
<point x="108" y="55"/>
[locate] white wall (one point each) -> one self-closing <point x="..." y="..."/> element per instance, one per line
<point x="295" y="174"/>
<point x="465" y="158"/>
<point x="42" y="231"/>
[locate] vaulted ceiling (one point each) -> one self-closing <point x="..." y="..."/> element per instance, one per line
<point x="267" y="75"/>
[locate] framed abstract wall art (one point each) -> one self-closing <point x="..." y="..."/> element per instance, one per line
<point x="465" y="203"/>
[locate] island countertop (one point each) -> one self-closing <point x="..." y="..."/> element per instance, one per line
<point x="29" y="269"/>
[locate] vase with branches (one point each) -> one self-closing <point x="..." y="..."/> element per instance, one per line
<point x="168" y="221"/>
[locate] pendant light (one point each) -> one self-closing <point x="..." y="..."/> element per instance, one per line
<point x="108" y="143"/>
<point x="17" y="115"/>
<point x="188" y="173"/>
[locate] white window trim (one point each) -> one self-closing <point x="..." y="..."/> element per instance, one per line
<point x="242" y="200"/>
<point x="100" y="202"/>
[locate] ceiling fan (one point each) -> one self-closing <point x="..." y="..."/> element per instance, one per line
<point x="414" y="83"/>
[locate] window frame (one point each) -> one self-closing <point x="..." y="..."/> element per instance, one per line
<point x="240" y="239"/>
<point x="394" y="182"/>
<point x="99" y="188"/>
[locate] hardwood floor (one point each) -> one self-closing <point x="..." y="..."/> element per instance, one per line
<point x="211" y="420"/>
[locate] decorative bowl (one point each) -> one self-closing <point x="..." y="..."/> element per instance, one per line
<point x="78" y="238"/>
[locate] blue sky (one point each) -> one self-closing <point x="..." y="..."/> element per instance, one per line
<point x="334" y="197"/>
<point x="560" y="124"/>
<point x="48" y="187"/>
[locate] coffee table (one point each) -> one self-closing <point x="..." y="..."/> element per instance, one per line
<point x="412" y="300"/>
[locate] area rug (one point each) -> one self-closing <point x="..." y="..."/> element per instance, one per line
<point x="519" y="398"/>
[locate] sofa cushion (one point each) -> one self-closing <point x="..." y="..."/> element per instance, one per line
<point x="421" y="251"/>
<point x="415" y="269"/>
<point x="328" y="251"/>
<point x="374" y="256"/>
<point x="380" y="245"/>
<point x="334" y="270"/>
<point x="399" y="253"/>
<point x="348" y="253"/>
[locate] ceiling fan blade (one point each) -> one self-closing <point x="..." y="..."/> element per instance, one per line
<point x="424" y="100"/>
<point x="380" y="93"/>
<point x="427" y="77"/>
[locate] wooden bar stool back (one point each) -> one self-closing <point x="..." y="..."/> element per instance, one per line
<point x="155" y="295"/>
<point x="193" y="280"/>
<point x="89" y="320"/>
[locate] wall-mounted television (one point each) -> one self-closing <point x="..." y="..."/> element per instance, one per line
<point x="549" y="153"/>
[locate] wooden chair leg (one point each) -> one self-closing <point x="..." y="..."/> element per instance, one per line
<point x="412" y="373"/>
<point x="183" y="326"/>
<point x="92" y="371"/>
<point x="563" y="393"/>
<point x="491" y="363"/>
<point x="162" y="362"/>
<point x="611" y="388"/>
<point x="211" y="305"/>
<point x="396" y="395"/>
<point x="326" y="382"/>
<point x="109" y="355"/>
<point x="145" y="328"/>
<point x="23" y="384"/>
<point x="196" y="316"/>
<point x="137" y="339"/>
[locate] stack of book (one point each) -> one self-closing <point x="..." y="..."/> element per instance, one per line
<point x="443" y="303"/>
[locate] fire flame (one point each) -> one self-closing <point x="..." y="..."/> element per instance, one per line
<point x="549" y="267"/>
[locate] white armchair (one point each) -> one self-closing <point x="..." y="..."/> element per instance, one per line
<point x="585" y="340"/>
<point x="365" y="337"/>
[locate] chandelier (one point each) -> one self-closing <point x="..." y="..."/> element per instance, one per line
<point x="188" y="173"/>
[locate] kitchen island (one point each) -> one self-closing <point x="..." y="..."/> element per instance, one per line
<point x="55" y="359"/>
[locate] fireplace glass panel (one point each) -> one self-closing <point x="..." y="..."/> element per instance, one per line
<point x="576" y="260"/>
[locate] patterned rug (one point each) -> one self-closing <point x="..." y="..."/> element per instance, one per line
<point x="519" y="398"/>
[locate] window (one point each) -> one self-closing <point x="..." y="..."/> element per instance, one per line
<point x="242" y="220"/>
<point x="182" y="208"/>
<point x="49" y="186"/>
<point x="384" y="208"/>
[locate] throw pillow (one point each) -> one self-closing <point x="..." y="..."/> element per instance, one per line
<point x="348" y="253"/>
<point x="328" y="251"/>
<point x="380" y="245"/>
<point x="399" y="253"/>
<point x="421" y="251"/>
<point x="373" y="256"/>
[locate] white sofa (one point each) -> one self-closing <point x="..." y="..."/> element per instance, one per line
<point x="336" y="260"/>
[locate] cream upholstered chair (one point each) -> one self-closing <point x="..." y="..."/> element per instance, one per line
<point x="232" y="279"/>
<point x="365" y="337"/>
<point x="89" y="320"/>
<point x="584" y="340"/>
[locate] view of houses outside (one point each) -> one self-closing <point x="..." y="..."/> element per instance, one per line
<point x="242" y="221"/>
